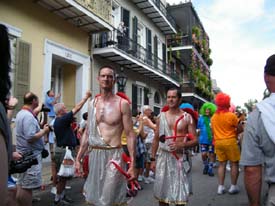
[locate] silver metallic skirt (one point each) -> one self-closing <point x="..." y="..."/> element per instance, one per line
<point x="171" y="182"/>
<point x="105" y="185"/>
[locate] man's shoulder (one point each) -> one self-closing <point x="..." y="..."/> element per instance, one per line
<point x="49" y="99"/>
<point x="253" y="116"/>
<point x="68" y="115"/>
<point x="23" y="113"/>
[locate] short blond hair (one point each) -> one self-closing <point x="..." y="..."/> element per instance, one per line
<point x="145" y="107"/>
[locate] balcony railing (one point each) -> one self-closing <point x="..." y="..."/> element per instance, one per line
<point x="185" y="40"/>
<point x="116" y="39"/>
<point x="163" y="10"/>
<point x="102" y="8"/>
<point x="178" y="41"/>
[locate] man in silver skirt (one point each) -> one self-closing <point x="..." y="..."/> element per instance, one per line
<point x="175" y="133"/>
<point x="108" y="115"/>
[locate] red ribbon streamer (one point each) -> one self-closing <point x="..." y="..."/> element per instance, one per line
<point x="133" y="183"/>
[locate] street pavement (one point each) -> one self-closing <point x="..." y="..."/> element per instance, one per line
<point x="204" y="190"/>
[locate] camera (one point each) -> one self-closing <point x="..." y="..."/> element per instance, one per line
<point x="20" y="166"/>
<point x="51" y="128"/>
<point x="45" y="109"/>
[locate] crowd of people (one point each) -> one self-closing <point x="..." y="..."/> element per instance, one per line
<point x="113" y="150"/>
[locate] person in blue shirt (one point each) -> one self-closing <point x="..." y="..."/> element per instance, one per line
<point x="205" y="137"/>
<point x="50" y="101"/>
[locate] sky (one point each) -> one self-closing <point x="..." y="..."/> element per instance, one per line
<point x="242" y="37"/>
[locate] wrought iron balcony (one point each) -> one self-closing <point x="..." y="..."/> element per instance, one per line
<point x="184" y="43"/>
<point x="133" y="56"/>
<point x="156" y="11"/>
<point x="89" y="15"/>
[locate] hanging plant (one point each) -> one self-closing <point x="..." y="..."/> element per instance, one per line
<point x="196" y="31"/>
<point x="178" y="54"/>
<point x="209" y="62"/>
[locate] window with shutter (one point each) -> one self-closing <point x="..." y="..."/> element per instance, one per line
<point x="22" y="71"/>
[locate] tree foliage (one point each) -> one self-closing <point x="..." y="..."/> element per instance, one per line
<point x="266" y="93"/>
<point x="250" y="104"/>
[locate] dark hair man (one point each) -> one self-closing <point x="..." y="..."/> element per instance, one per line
<point x="179" y="125"/>
<point x="108" y="116"/>
<point x="29" y="138"/>
<point x="258" y="147"/>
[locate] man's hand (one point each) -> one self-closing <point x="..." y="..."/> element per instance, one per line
<point x="78" y="170"/>
<point x="131" y="172"/>
<point x="46" y="128"/>
<point x="88" y="94"/>
<point x="16" y="156"/>
<point x="173" y="146"/>
<point x="12" y="103"/>
<point x="153" y="166"/>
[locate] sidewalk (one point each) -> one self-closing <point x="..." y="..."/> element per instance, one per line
<point x="46" y="173"/>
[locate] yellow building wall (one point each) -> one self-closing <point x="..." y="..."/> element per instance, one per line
<point x="69" y="72"/>
<point x="38" y="24"/>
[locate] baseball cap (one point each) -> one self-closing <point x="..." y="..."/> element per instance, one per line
<point x="270" y="65"/>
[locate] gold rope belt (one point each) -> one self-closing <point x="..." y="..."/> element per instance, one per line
<point x="103" y="147"/>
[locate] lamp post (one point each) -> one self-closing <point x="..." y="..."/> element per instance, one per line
<point x="121" y="80"/>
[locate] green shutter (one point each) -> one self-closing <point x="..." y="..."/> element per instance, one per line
<point x="164" y="57"/>
<point x="146" y="99"/>
<point x="22" y="71"/>
<point x="134" y="99"/>
<point x="156" y="52"/>
<point x="149" y="46"/>
<point x="135" y="37"/>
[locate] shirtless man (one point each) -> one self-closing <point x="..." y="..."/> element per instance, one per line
<point x="108" y="116"/>
<point x="172" y="189"/>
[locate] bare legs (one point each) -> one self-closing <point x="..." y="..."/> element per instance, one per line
<point x="221" y="172"/>
<point x="234" y="172"/>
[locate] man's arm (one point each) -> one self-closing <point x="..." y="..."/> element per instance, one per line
<point x="141" y="132"/>
<point x="253" y="183"/>
<point x="11" y="106"/>
<point x="55" y="99"/>
<point x="252" y="157"/>
<point x="40" y="134"/>
<point x="131" y="137"/>
<point x="82" y="150"/>
<point x="37" y="109"/>
<point x="84" y="145"/>
<point x="155" y="145"/>
<point x="191" y="130"/>
<point x="149" y="123"/>
<point x="80" y="104"/>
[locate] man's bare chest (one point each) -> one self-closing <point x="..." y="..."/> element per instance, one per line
<point x="108" y="114"/>
<point x="176" y="123"/>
